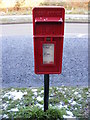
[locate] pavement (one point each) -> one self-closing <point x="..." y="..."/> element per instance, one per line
<point x="28" y="18"/>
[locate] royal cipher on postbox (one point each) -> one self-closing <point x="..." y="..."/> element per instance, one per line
<point x="48" y="35"/>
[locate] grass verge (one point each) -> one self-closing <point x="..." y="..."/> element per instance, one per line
<point x="64" y="102"/>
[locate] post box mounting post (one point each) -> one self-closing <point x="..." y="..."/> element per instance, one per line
<point x="46" y="91"/>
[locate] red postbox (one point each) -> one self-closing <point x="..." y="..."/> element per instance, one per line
<point x="48" y="35"/>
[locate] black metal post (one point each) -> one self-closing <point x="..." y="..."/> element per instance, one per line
<point x="46" y="91"/>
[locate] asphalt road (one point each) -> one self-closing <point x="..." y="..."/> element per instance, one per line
<point x="17" y="63"/>
<point x="71" y="29"/>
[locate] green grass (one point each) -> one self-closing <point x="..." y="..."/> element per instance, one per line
<point x="38" y="114"/>
<point x="29" y="107"/>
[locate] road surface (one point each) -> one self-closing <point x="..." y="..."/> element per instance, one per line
<point x="17" y="60"/>
<point x="71" y="29"/>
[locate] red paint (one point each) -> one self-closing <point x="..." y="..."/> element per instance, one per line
<point x="48" y="28"/>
